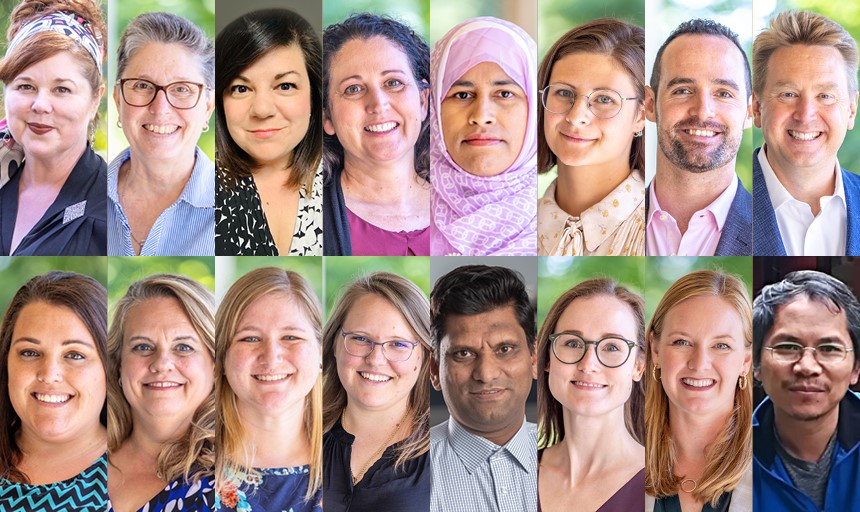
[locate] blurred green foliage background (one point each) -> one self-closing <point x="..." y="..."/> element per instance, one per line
<point x="414" y="13"/>
<point x="122" y="271"/>
<point x="230" y="268"/>
<point x="17" y="270"/>
<point x="341" y="270"/>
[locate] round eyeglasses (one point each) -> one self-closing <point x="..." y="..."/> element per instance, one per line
<point x="359" y="345"/>
<point x="138" y="92"/>
<point x="611" y="351"/>
<point x="603" y="103"/>
<point x="825" y="354"/>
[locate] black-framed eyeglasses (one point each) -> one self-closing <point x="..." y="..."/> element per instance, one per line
<point x="789" y="352"/>
<point x="611" y="351"/>
<point x="603" y="103"/>
<point x="138" y="92"/>
<point x="359" y="345"/>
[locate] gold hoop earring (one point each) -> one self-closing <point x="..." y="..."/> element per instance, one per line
<point x="118" y="123"/>
<point x="742" y="382"/>
<point x="206" y="128"/>
<point x="654" y="370"/>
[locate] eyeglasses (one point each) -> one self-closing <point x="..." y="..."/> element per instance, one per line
<point x="138" y="92"/>
<point x="825" y="354"/>
<point x="603" y="103"/>
<point x="360" y="345"/>
<point x="611" y="351"/>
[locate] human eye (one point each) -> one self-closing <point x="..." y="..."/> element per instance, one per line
<point x="239" y="89"/>
<point x="787" y="96"/>
<point x="680" y="91"/>
<point x="24" y="87"/>
<point x="286" y="86"/>
<point x="604" y="99"/>
<point x="563" y="92"/>
<point x="725" y="94"/>
<point x="827" y="98"/>
<point x="681" y="342"/>
<point x="462" y="95"/>
<point x="142" y="348"/>
<point x="611" y="345"/>
<point x="462" y="355"/>
<point x="507" y="94"/>
<point x="787" y="347"/>
<point x="394" y="83"/>
<point x="400" y="345"/>
<point x="62" y="90"/>
<point x="353" y="90"/>
<point x="141" y="85"/>
<point x="184" y="347"/>
<point x="831" y="348"/>
<point x="574" y="342"/>
<point x="74" y="355"/>
<point x="249" y="339"/>
<point x="507" y="349"/>
<point x="722" y="346"/>
<point x="28" y="353"/>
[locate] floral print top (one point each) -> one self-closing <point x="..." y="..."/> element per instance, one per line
<point x="268" y="490"/>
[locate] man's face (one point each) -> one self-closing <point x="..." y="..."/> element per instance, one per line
<point x="485" y="371"/>
<point x="701" y="106"/>
<point x="807" y="390"/>
<point x="805" y="108"/>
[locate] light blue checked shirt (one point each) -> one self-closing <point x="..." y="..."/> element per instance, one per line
<point x="472" y="473"/>
<point x="185" y="228"/>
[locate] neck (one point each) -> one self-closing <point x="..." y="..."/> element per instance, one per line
<point x="580" y="188"/>
<point x="386" y="182"/>
<point x="362" y="422"/>
<point x="682" y="193"/>
<point x="151" y="433"/>
<point x="287" y="426"/>
<point x="805" y="439"/>
<point x="94" y="442"/>
<point x="587" y="457"/>
<point x="158" y="177"/>
<point x="807" y="184"/>
<point x="692" y="434"/>
<point x="51" y="170"/>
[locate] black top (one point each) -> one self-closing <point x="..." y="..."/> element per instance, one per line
<point x="336" y="239"/>
<point x="74" y="225"/>
<point x="381" y="489"/>
<point x="673" y="504"/>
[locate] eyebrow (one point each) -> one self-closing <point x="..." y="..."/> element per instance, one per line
<point x="829" y="86"/>
<point x="56" y="80"/>
<point x="254" y="328"/>
<point x="384" y="72"/>
<point x="178" y="338"/>
<point x="25" y="339"/>
<point x="604" y="335"/>
<point x="465" y="83"/>
<point x="277" y="77"/>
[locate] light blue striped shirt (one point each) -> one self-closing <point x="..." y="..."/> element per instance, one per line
<point x="473" y="473"/>
<point x="185" y="228"/>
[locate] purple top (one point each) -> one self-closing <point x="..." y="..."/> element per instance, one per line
<point x="370" y="240"/>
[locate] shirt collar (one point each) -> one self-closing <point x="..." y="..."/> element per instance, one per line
<point x="198" y="192"/>
<point x="600" y="220"/>
<point x="719" y="207"/>
<point x="779" y="195"/>
<point x="474" y="450"/>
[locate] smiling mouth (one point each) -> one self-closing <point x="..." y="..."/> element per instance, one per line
<point x="52" y="399"/>
<point x="698" y="383"/>
<point x="374" y="377"/>
<point x="381" y="127"/>
<point x="804" y="135"/>
<point x="161" y="129"/>
<point x="488" y="393"/>
<point x="700" y="133"/>
<point x="272" y="378"/>
<point x="591" y="385"/>
<point x="163" y="385"/>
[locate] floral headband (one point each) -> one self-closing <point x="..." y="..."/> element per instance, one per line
<point x="66" y="23"/>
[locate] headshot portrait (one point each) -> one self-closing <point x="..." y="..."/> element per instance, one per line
<point x="805" y="102"/>
<point x="268" y="96"/>
<point x="698" y="97"/>
<point x="806" y="328"/>
<point x="161" y="187"/>
<point x="484" y="455"/>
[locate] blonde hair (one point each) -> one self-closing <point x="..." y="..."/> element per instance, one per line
<point x="803" y="28"/>
<point x="412" y="303"/>
<point x="234" y="455"/>
<point x="192" y="456"/>
<point x="730" y="455"/>
<point x="550" y="411"/>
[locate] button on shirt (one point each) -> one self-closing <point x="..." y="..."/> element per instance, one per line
<point x="703" y="232"/>
<point x="804" y="234"/>
<point x="473" y="473"/>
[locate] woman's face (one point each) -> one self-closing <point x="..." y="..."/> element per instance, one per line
<point x="701" y="353"/>
<point x="274" y="357"/>
<point x="577" y="137"/>
<point x="56" y="377"/>
<point x="373" y="382"/>
<point x="588" y="388"/>
<point x="484" y="118"/>
<point x="159" y="131"/>
<point x="166" y="371"/>
<point x="49" y="107"/>
<point x="375" y="106"/>
<point x="268" y="106"/>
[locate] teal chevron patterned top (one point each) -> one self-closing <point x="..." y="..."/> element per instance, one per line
<point x="84" y="492"/>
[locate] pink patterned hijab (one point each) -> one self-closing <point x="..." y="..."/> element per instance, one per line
<point x="473" y="215"/>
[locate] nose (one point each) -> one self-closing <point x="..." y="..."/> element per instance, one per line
<point x="272" y="351"/>
<point x="162" y="362"/>
<point x="376" y="356"/>
<point x="159" y="102"/>
<point x="377" y="100"/>
<point x="486" y="369"/>
<point x="50" y="372"/>
<point x="262" y="105"/>
<point x="700" y="359"/>
<point x="579" y="112"/>
<point x="805" y="109"/>
<point x="807" y="365"/>
<point x="589" y="362"/>
<point x="482" y="111"/>
<point x="42" y="102"/>
<point x="703" y="106"/>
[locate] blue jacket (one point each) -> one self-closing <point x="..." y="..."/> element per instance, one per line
<point x="736" y="238"/>
<point x="767" y="241"/>
<point x="773" y="490"/>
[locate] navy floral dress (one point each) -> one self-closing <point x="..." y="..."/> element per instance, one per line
<point x="180" y="496"/>
<point x="268" y="490"/>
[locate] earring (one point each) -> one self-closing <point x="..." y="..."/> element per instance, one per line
<point x="206" y="128"/>
<point x="742" y="382"/>
<point x="638" y="134"/>
<point x="654" y="370"/>
<point x="118" y="123"/>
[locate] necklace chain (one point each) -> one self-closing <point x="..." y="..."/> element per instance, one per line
<point x="130" y="231"/>
<point x="357" y="477"/>
<point x="683" y="482"/>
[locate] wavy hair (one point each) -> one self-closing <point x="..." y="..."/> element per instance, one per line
<point x="233" y="454"/>
<point x="192" y="456"/>
<point x="730" y="455"/>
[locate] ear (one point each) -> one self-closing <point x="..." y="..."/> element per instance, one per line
<point x="116" y="98"/>
<point x="210" y="104"/>
<point x="650" y="104"/>
<point x="639" y="368"/>
<point x="534" y="362"/>
<point x="653" y="346"/>
<point x="749" y="117"/>
<point x="756" y="110"/>
<point x="639" y="122"/>
<point x="853" y="113"/>
<point x="757" y="374"/>
<point x="747" y="362"/>
<point x="856" y="373"/>
<point x="434" y="371"/>
<point x="328" y="127"/>
<point x="425" y="101"/>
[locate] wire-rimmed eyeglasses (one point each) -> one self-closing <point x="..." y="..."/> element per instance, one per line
<point x="359" y="345"/>
<point x="138" y="92"/>
<point x="826" y="353"/>
<point x="603" y="103"/>
<point x="611" y="351"/>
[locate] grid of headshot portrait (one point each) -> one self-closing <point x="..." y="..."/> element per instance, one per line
<point x="429" y="256"/>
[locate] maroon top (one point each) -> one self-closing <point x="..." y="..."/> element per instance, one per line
<point x="370" y="240"/>
<point x="630" y="498"/>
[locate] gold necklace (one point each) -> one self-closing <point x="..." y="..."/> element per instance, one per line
<point x="695" y="484"/>
<point x="357" y="477"/>
<point x="121" y="201"/>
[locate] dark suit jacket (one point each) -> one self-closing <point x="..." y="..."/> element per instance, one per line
<point x="768" y="240"/>
<point x="736" y="238"/>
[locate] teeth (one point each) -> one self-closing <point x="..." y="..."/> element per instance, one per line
<point x="270" y="378"/>
<point x="588" y="384"/>
<point x="162" y="130"/>
<point x="701" y="133"/>
<point x="804" y="135"/>
<point x="52" y="399"/>
<point x="698" y="383"/>
<point x="384" y="127"/>
<point x="163" y="385"/>
<point x="374" y="377"/>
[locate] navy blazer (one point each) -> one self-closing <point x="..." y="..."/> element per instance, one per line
<point x="768" y="240"/>
<point x="736" y="238"/>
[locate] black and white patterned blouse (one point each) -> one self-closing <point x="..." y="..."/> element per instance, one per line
<point x="240" y="223"/>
